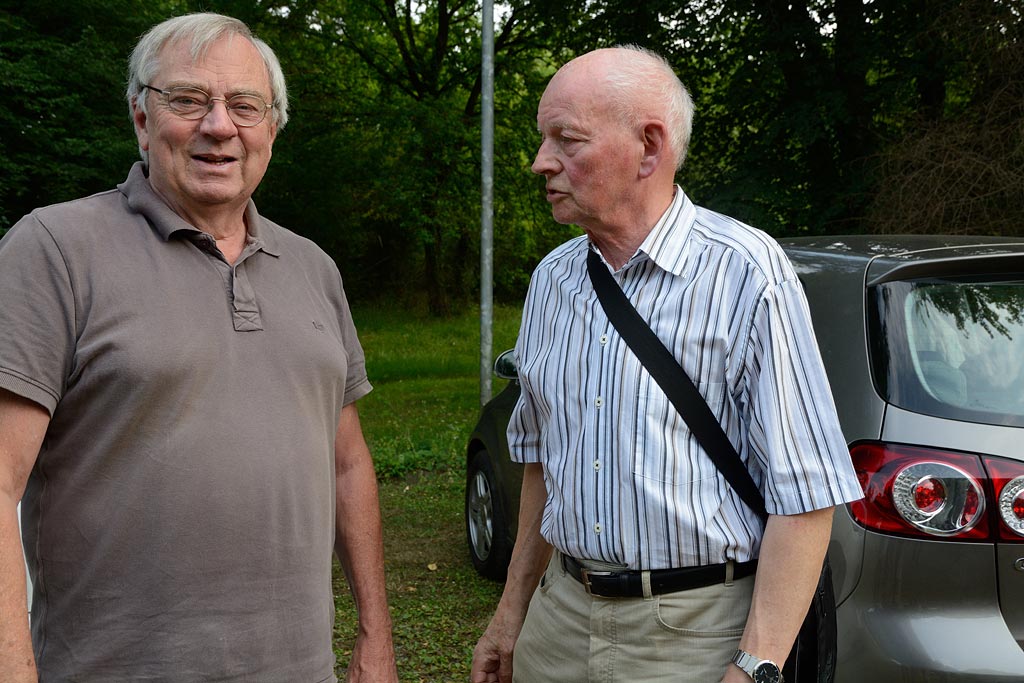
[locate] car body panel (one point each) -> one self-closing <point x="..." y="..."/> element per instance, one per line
<point x="918" y="616"/>
<point x="1007" y="442"/>
<point x="1010" y="568"/>
<point x="928" y="609"/>
<point x="512" y="474"/>
<point x="1008" y="580"/>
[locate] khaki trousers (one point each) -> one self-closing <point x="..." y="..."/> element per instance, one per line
<point x="572" y="637"/>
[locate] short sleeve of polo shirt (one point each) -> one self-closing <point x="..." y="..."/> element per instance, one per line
<point x="357" y="384"/>
<point x="37" y="314"/>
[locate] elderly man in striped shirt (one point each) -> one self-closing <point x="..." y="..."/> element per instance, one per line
<point x="614" y="481"/>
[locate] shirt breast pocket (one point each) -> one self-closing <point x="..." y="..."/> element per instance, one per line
<point x="667" y="452"/>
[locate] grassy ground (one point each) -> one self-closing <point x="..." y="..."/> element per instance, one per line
<point x="425" y="401"/>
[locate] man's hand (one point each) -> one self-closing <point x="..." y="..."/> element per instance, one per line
<point x="492" y="657"/>
<point x="373" y="661"/>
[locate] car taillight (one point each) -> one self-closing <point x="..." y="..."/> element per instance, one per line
<point x="1008" y="480"/>
<point x="912" y="491"/>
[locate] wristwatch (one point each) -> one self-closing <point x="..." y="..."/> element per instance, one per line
<point x="759" y="670"/>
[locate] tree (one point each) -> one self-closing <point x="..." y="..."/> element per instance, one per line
<point x="959" y="165"/>
<point x="66" y="126"/>
<point x="813" y="117"/>
<point x="407" y="83"/>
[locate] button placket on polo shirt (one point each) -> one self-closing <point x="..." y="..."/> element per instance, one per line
<point x="245" y="311"/>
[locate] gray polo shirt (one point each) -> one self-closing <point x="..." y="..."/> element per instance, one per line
<point x="179" y="521"/>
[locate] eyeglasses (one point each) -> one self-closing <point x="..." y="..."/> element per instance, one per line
<point x="193" y="104"/>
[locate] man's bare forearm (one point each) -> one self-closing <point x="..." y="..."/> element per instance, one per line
<point x="788" y="568"/>
<point x="492" y="657"/>
<point x="22" y="427"/>
<point x="360" y="549"/>
<point x="17" y="663"/>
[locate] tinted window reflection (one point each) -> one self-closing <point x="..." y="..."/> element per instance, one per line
<point x="951" y="348"/>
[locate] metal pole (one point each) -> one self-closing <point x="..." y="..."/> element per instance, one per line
<point x="487" y="194"/>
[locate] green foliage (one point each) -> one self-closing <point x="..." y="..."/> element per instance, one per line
<point x="62" y="103"/>
<point x="813" y="117"/>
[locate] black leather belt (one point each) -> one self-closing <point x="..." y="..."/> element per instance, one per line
<point x="629" y="584"/>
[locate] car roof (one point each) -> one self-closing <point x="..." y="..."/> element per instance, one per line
<point x="900" y="257"/>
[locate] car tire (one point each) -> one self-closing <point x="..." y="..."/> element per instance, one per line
<point x="486" y="522"/>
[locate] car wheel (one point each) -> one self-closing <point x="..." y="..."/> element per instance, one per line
<point x="486" y="520"/>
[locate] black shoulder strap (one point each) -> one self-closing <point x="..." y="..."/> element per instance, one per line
<point x="674" y="381"/>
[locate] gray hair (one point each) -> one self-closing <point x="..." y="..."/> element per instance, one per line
<point x="650" y="80"/>
<point x="204" y="29"/>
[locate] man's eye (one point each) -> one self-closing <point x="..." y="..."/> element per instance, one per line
<point x="186" y="101"/>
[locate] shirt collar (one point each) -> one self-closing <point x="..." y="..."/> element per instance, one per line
<point x="142" y="199"/>
<point x="665" y="244"/>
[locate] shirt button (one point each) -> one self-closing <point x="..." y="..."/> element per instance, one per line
<point x="604" y="339"/>
<point x="597" y="528"/>
<point x="597" y="465"/>
<point x="599" y="402"/>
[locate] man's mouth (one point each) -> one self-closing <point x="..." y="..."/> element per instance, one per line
<point x="216" y="159"/>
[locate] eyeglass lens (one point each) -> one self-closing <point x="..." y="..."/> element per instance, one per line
<point x="191" y="103"/>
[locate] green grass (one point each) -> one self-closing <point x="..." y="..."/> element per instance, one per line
<point x="425" y="401"/>
<point x="426" y="377"/>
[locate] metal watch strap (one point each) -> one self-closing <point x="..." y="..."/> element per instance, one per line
<point x="750" y="665"/>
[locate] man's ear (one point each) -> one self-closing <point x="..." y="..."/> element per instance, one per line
<point x="141" y="121"/>
<point x="655" y="141"/>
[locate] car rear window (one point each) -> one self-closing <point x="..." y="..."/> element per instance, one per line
<point x="951" y="347"/>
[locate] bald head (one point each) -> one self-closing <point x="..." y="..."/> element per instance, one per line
<point x="613" y="127"/>
<point x="636" y="84"/>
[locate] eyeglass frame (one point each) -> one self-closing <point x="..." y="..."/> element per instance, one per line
<point x="209" y="105"/>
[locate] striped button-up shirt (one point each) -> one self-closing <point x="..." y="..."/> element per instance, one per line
<point x="626" y="481"/>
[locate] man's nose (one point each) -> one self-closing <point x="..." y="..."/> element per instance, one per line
<point x="217" y="121"/>
<point x="544" y="163"/>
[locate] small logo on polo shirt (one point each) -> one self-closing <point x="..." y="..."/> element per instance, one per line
<point x="319" y="326"/>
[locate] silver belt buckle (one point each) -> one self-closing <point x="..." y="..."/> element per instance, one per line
<point x="587" y="573"/>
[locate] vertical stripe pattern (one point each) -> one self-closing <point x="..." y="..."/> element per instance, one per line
<point x="627" y="482"/>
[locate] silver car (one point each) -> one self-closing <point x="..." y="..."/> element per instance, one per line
<point x="923" y="340"/>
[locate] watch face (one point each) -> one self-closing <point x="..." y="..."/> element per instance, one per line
<point x="766" y="672"/>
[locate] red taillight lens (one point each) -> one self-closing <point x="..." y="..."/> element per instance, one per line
<point x="1008" y="481"/>
<point x="1012" y="505"/>
<point x="920" y="492"/>
<point x="928" y="493"/>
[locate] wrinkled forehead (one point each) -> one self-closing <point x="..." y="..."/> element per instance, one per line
<point x="232" y="56"/>
<point x="573" y="97"/>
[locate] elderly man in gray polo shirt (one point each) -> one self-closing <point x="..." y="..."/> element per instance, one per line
<point x="178" y="378"/>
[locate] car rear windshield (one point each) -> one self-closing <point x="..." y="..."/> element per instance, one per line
<point x="951" y="348"/>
